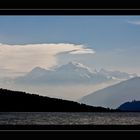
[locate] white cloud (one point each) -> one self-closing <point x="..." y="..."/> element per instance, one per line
<point x="25" y="57"/>
<point x="82" y="51"/>
<point x="135" y="22"/>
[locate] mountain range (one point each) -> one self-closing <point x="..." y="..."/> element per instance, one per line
<point x="71" y="74"/>
<point x="70" y="81"/>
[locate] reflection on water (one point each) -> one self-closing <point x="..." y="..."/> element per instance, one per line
<point x="67" y="118"/>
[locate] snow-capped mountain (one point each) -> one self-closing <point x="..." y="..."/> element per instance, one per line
<point x="74" y="71"/>
<point x="75" y="66"/>
<point x="114" y="96"/>
<point x="71" y="73"/>
<point x="69" y="81"/>
<point x="37" y="72"/>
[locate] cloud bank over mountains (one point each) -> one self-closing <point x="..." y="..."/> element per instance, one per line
<point x="25" y="57"/>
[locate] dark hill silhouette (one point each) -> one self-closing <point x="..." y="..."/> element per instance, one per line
<point x="16" y="101"/>
<point x="130" y="106"/>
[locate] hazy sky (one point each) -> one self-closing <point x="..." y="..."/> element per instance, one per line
<point x="111" y="42"/>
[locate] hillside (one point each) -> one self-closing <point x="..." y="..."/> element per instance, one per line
<point x="20" y="101"/>
<point x="115" y="95"/>
<point x="130" y="106"/>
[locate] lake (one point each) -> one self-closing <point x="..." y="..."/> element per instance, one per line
<point x="69" y="118"/>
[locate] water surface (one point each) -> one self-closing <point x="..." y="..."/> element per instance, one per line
<point x="67" y="118"/>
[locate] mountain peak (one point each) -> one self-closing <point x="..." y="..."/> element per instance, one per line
<point x="76" y="64"/>
<point x="73" y="65"/>
<point x="38" y="69"/>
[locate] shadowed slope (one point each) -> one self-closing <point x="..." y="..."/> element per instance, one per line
<point x="21" y="101"/>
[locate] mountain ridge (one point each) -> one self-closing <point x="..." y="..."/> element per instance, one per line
<point x="17" y="101"/>
<point x="71" y="73"/>
<point x="114" y="95"/>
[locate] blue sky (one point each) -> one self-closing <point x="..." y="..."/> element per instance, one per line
<point x="95" y="31"/>
<point x="115" y="39"/>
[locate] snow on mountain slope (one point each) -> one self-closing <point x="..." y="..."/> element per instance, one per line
<point x="71" y="73"/>
<point x="116" y="74"/>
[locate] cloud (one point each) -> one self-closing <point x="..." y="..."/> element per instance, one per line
<point x="25" y="57"/>
<point x="82" y="51"/>
<point x="135" y="22"/>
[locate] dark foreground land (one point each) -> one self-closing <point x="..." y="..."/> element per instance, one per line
<point x="15" y="101"/>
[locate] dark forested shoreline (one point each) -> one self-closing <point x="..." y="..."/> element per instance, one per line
<point x="16" y="101"/>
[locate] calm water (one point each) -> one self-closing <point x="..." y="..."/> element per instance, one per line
<point x="55" y="118"/>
